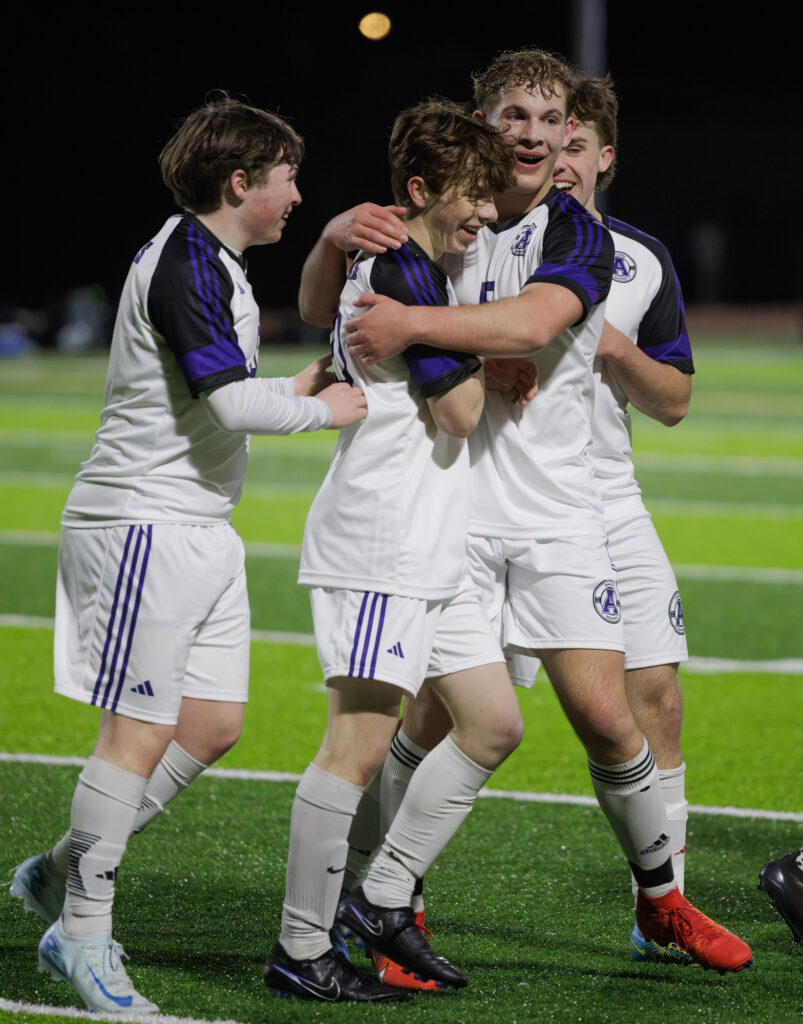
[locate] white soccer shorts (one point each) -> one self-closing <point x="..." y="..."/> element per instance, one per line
<point x="547" y="595"/>
<point x="400" y="640"/>
<point x="148" y="614"/>
<point x="651" y="609"/>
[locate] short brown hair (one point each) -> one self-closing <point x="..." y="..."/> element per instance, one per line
<point x="222" y="136"/>
<point x="533" y="69"/>
<point x="596" y="105"/>
<point x="440" y="142"/>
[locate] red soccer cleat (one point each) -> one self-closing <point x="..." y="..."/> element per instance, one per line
<point x="672" y="918"/>
<point x="394" y="974"/>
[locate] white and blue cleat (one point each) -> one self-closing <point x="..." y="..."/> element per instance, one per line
<point x="645" y="951"/>
<point x="40" y="887"/>
<point x="94" y="969"/>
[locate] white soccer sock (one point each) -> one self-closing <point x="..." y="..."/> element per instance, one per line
<point x="364" y="834"/>
<point x="103" y="808"/>
<point x="323" y="808"/>
<point x="440" y="795"/>
<point x="631" y="799"/>
<point x="673" y="787"/>
<point x="176" y="770"/>
<point x="403" y="758"/>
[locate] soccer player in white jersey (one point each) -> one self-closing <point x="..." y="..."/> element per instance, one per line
<point x="538" y="542"/>
<point x="152" y="617"/>
<point x="384" y="556"/>
<point x="644" y="357"/>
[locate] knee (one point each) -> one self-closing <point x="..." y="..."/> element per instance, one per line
<point x="512" y="734"/>
<point x="224" y="740"/>
<point x="357" y="765"/>
<point x="501" y="737"/>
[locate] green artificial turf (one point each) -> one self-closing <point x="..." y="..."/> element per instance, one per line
<point x="531" y="899"/>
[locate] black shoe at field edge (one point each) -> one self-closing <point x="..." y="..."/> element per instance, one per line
<point x="394" y="933"/>
<point x="782" y="880"/>
<point x="329" y="978"/>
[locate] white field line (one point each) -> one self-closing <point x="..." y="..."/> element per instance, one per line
<point x="726" y="509"/>
<point x="17" y="478"/>
<point x="731" y="465"/>
<point x="716" y="666"/>
<point x="261" y="549"/>
<point x="520" y="796"/>
<point x="69" y="1011"/>
<point x="694" y="666"/>
<point x="739" y="574"/>
<point x="726" y="465"/>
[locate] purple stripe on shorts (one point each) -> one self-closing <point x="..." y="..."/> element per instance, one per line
<point x="123" y="618"/>
<point x="110" y="627"/>
<point x="378" y="635"/>
<point x="148" y="532"/>
<point x="357" y="634"/>
<point x="364" y="655"/>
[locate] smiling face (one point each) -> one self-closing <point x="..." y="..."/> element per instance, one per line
<point x="537" y="128"/>
<point x="453" y="221"/>
<point x="446" y="223"/>
<point x="267" y="206"/>
<point x="579" y="163"/>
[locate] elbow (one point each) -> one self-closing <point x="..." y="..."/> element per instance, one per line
<point x="460" y="424"/>
<point x="313" y="315"/>
<point x="674" y="413"/>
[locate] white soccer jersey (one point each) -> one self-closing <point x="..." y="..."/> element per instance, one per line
<point x="531" y="473"/>
<point x="392" y="514"/>
<point x="646" y="305"/>
<point x="187" y="322"/>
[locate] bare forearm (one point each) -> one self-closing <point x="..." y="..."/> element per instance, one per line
<point x="322" y="279"/>
<point x="659" y="390"/>
<point x="510" y="327"/>
<point x="495" y="329"/>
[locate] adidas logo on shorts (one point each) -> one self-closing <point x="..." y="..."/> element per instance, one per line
<point x="144" y="688"/>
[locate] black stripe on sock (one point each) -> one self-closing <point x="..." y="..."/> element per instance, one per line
<point x="402" y="754"/>
<point x="613" y="775"/>
<point x="661" y="875"/>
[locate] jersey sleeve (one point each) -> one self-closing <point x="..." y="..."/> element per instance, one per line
<point x="414" y="280"/>
<point x="189" y="304"/>
<point x="662" y="333"/>
<point x="577" y="253"/>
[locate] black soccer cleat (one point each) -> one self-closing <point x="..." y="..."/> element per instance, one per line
<point x="328" y="979"/>
<point x="394" y="933"/>
<point x="782" y="879"/>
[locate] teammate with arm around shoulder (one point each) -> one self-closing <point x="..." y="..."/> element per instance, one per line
<point x="538" y="545"/>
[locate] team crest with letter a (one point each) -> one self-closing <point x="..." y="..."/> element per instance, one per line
<point x="676" y="614"/>
<point x="606" y="601"/>
<point x="522" y="240"/>
<point x="624" y="267"/>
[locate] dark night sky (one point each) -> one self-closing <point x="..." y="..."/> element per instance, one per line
<point x="92" y="92"/>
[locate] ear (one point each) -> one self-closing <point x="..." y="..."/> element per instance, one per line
<point x="568" y="130"/>
<point x="606" y="155"/>
<point x="478" y="115"/>
<point x="238" y="183"/>
<point x="418" y="193"/>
